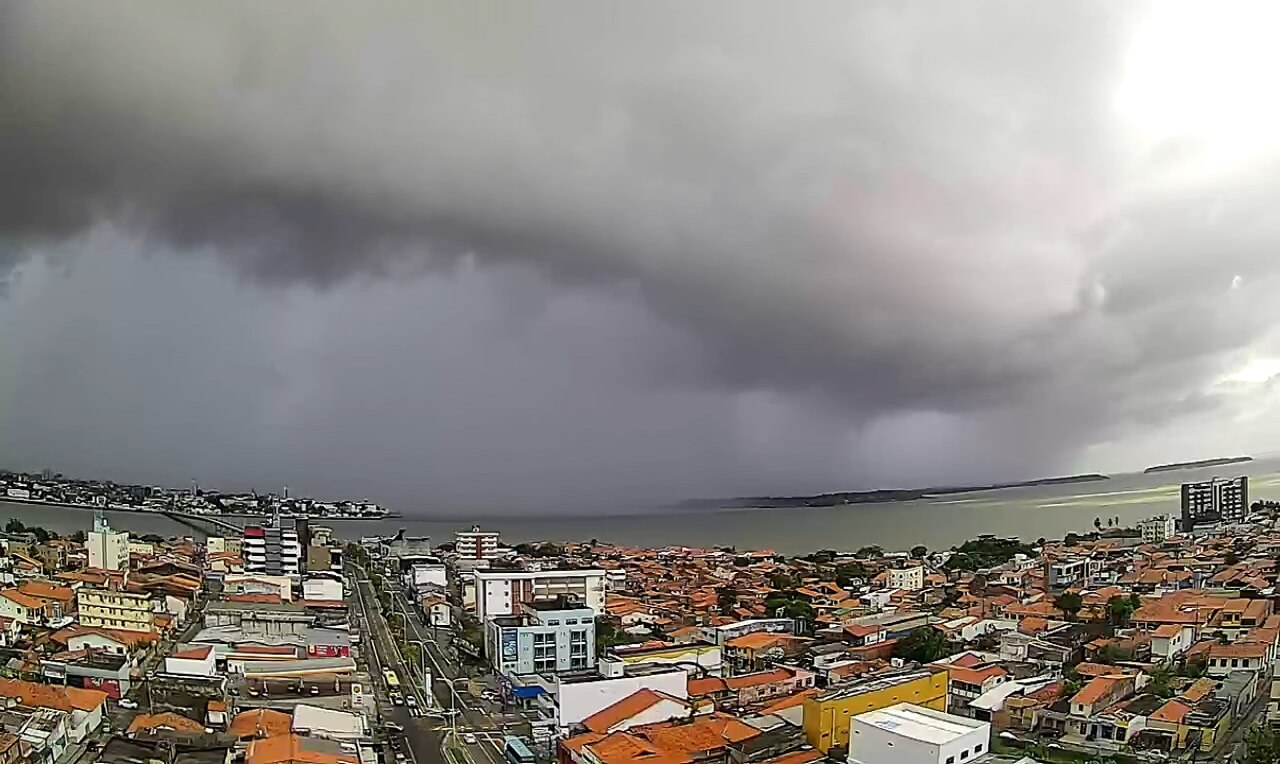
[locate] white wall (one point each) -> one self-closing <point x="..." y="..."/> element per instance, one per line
<point x="869" y="744"/>
<point x="190" y="666"/>
<point x="322" y="588"/>
<point x="576" y="701"/>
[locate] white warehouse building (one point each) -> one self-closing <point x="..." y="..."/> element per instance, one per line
<point x="907" y="734"/>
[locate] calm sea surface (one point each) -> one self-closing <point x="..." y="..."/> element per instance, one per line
<point x="1030" y="513"/>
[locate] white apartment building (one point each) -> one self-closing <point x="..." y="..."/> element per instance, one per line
<point x="476" y="544"/>
<point x="501" y="592"/>
<point x="108" y="549"/>
<point x="1158" y="529"/>
<point x="911" y="579"/>
<point x="907" y="734"/>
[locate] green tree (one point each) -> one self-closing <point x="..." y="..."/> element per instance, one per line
<point x="1069" y="603"/>
<point x="1161" y="682"/>
<point x="412" y="655"/>
<point x="79" y="537"/>
<point x="919" y="552"/>
<point x="870" y="551"/>
<point x="1120" y="609"/>
<point x="15" y="526"/>
<point x="781" y="581"/>
<point x="1260" y="746"/>
<point x="726" y="599"/>
<point x="924" y="645"/>
<point x="1231" y="558"/>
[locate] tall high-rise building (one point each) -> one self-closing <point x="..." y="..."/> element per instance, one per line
<point x="476" y="544"/>
<point x="271" y="550"/>
<point x="108" y="549"/>
<point x="1213" y="501"/>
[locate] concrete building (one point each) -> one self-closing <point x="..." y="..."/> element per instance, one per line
<point x="826" y="716"/>
<point x="476" y="544"/>
<point x="547" y="637"/>
<point x="909" y="734"/>
<point x="911" y="578"/>
<point x="116" y="609"/>
<point x="107" y="549"/>
<point x="271" y="550"/>
<point x="501" y="592"/>
<point x="578" y="696"/>
<point x="196" y="661"/>
<point x="1215" y="501"/>
<point x="426" y="573"/>
<point x="1156" y="530"/>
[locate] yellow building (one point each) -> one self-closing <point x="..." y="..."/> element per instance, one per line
<point x="827" y="717"/>
<point x="112" y="609"/>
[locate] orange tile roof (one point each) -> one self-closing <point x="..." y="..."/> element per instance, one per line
<point x="52" y="696"/>
<point x="261" y="722"/>
<point x="294" y="749"/>
<point x="624" y="748"/>
<point x="195" y="653"/>
<point x="48" y="591"/>
<point x="706" y="686"/>
<point x="1239" y="650"/>
<point x="1095" y="690"/>
<point x="1199" y="689"/>
<point x="790" y="701"/>
<point x="165" y="720"/>
<point x="25" y="600"/>
<point x="1172" y="711"/>
<point x="759" y="640"/>
<point x="606" y="718"/>
<point x="707" y="733"/>
<point x="1168" y="630"/>
<point x="755" y="680"/>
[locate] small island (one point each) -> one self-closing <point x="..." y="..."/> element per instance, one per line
<point x="877" y="496"/>
<point x="1196" y="465"/>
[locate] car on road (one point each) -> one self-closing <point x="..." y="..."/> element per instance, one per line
<point x="397" y="699"/>
<point x="470" y="738"/>
<point x="129" y="704"/>
<point x="393" y="727"/>
<point x="411" y="701"/>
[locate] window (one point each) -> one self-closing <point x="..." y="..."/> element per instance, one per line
<point x="964" y="755"/>
<point x="978" y="748"/>
<point x="951" y="760"/>
<point x="1235" y="663"/>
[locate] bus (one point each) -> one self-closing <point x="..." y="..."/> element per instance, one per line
<point x="516" y="752"/>
<point x="393" y="681"/>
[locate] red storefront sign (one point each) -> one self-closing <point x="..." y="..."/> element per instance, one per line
<point x="328" y="651"/>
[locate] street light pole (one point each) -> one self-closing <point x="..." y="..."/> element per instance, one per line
<point x="453" y="705"/>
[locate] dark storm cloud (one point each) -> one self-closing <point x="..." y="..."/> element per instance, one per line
<point x="927" y="219"/>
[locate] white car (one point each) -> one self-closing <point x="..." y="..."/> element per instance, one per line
<point x="129" y="704"/>
<point x="411" y="701"/>
<point x="469" y="738"/>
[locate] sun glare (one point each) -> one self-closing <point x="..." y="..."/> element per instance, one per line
<point x="1205" y="71"/>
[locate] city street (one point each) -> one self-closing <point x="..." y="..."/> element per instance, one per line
<point x="473" y="715"/>
<point x="423" y="735"/>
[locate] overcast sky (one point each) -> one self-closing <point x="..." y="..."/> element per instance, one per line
<point x="601" y="254"/>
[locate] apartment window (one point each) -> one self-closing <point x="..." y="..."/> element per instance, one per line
<point x="1235" y="663"/>
<point x="571" y="622"/>
<point x="951" y="760"/>
<point x="978" y="748"/>
<point x="964" y="755"/>
<point x="553" y="623"/>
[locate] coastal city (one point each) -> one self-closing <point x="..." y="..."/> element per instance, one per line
<point x="285" y="644"/>
<point x="54" y="489"/>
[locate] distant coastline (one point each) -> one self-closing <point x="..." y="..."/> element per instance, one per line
<point x="1196" y="465"/>
<point x="877" y="496"/>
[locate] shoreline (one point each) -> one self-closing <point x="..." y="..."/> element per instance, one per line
<point x="162" y="512"/>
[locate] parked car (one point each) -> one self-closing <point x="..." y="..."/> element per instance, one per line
<point x="129" y="704"/>
<point x="411" y="701"/>
<point x="470" y="738"/>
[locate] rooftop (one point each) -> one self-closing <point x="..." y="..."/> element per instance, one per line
<point x="919" y="723"/>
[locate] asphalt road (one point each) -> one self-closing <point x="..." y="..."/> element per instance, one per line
<point x="422" y="736"/>
<point x="473" y="715"/>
